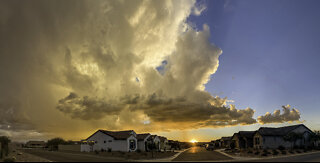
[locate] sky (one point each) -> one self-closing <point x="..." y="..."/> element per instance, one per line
<point x="183" y="69"/>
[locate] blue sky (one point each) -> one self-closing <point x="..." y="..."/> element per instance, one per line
<point x="270" y="53"/>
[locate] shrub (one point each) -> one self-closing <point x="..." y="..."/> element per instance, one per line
<point x="10" y="159"/>
<point x="291" y="151"/>
<point x="284" y="152"/>
<point x="257" y="152"/>
<point x="138" y="150"/>
<point x="264" y="154"/>
<point x="298" y="151"/>
<point x="249" y="152"/>
<point x="281" y="148"/>
<point x="96" y="152"/>
<point x="275" y="152"/>
<point x="109" y="150"/>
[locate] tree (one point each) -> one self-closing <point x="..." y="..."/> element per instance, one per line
<point x="4" y="140"/>
<point x="55" y="142"/>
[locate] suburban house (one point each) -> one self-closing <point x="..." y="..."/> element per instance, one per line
<point x="163" y="143"/>
<point x="125" y="141"/>
<point x="143" y="141"/>
<point x="173" y="144"/>
<point x="156" y="140"/>
<point x="36" y="144"/>
<point x="243" y="139"/>
<point x="287" y="137"/>
<point x="216" y="143"/>
<point x="226" y="141"/>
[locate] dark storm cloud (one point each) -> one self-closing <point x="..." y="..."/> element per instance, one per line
<point x="97" y="50"/>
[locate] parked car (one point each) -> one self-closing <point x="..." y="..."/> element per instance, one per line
<point x="210" y="147"/>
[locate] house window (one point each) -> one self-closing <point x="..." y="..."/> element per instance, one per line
<point x="132" y="144"/>
<point x="104" y="142"/>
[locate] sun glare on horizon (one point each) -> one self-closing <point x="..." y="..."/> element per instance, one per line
<point x="193" y="141"/>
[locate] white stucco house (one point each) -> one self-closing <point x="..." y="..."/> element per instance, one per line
<point x="267" y="137"/>
<point x="125" y="141"/>
<point x="143" y="141"/>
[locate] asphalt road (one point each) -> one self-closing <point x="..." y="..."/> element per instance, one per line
<point x="201" y="154"/>
<point x="71" y="157"/>
<point x="312" y="157"/>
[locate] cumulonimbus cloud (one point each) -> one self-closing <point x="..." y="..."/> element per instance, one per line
<point x="77" y="64"/>
<point x="288" y="115"/>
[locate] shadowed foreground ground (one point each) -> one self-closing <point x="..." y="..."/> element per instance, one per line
<point x="71" y="157"/>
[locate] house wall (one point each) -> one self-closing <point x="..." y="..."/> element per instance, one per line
<point x="235" y="139"/>
<point x="141" y="145"/>
<point x="274" y="142"/>
<point x="103" y="141"/>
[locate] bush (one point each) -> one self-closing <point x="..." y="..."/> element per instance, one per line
<point x="96" y="152"/>
<point x="249" y="152"/>
<point x="138" y="150"/>
<point x="291" y="151"/>
<point x="257" y="152"/>
<point x="264" y="154"/>
<point x="281" y="148"/>
<point x="109" y="150"/>
<point x="298" y="151"/>
<point x="284" y="152"/>
<point x="10" y="159"/>
<point x="275" y="152"/>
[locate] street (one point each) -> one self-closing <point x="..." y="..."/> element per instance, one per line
<point x="201" y="154"/>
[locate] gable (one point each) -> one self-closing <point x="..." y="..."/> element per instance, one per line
<point x="98" y="134"/>
<point x="302" y="129"/>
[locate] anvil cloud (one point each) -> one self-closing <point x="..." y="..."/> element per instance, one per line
<point x="70" y="65"/>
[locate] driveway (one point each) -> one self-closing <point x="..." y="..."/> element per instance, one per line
<point x="70" y="157"/>
<point x="201" y="154"/>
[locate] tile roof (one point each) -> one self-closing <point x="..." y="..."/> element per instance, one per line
<point x="118" y="135"/>
<point x="281" y="131"/>
<point x="142" y="136"/>
<point x="247" y="134"/>
<point x="162" y="139"/>
<point x="226" y="138"/>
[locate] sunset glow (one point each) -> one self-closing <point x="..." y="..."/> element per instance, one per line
<point x="193" y="141"/>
